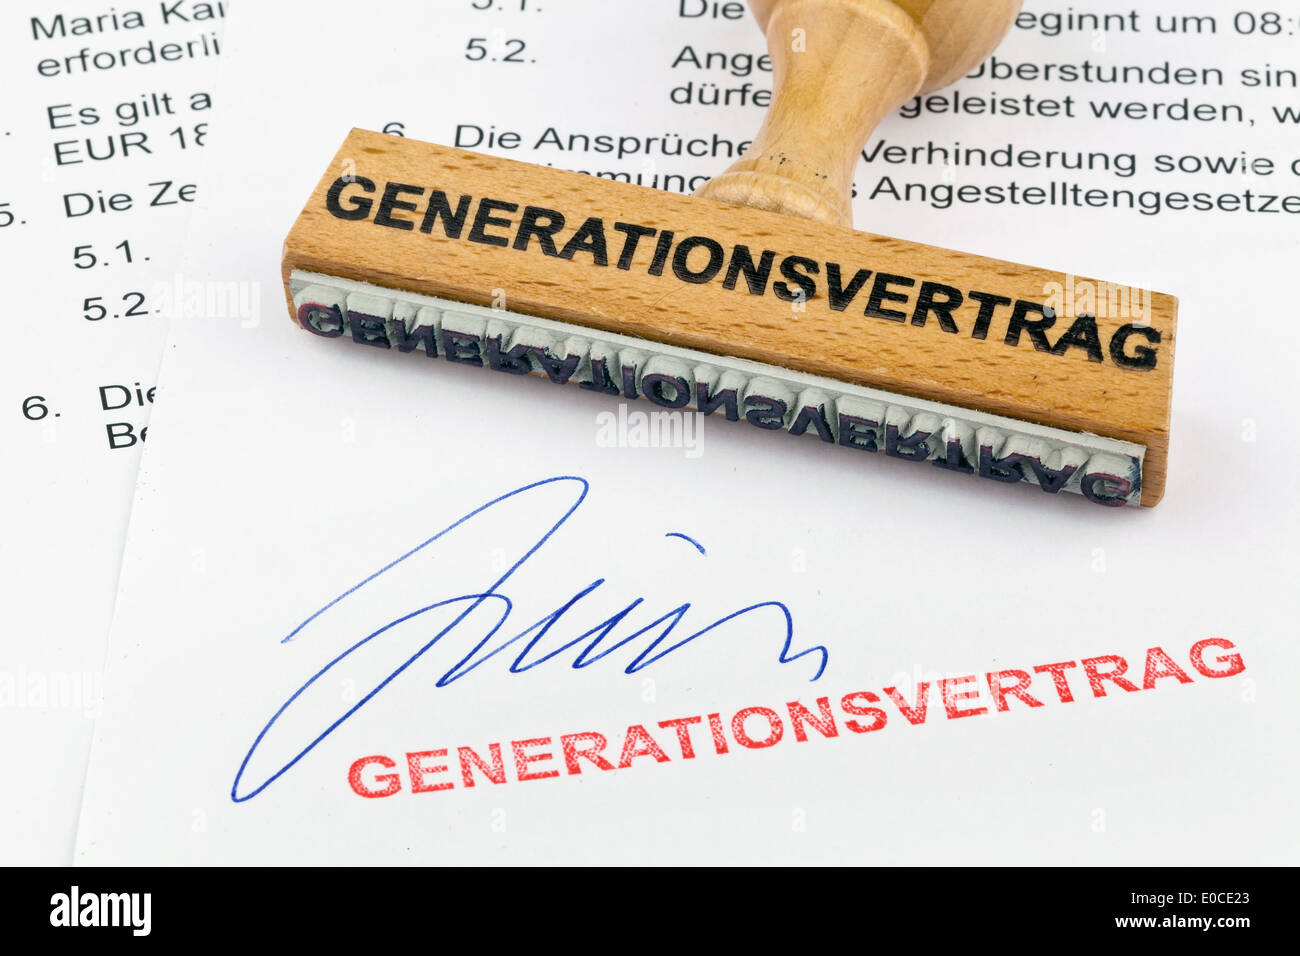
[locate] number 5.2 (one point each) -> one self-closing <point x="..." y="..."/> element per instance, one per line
<point x="93" y="308"/>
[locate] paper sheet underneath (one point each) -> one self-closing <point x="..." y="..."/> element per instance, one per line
<point x="102" y="125"/>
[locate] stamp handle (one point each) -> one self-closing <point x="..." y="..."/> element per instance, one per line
<point x="839" y="67"/>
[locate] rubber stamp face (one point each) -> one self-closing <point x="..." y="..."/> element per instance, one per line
<point x="766" y="397"/>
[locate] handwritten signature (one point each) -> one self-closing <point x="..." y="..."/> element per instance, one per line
<point x="596" y="643"/>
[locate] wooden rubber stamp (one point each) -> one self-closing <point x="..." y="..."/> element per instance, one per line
<point x="756" y="300"/>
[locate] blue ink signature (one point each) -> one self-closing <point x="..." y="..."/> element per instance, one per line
<point x="595" y="650"/>
<point x="686" y="537"/>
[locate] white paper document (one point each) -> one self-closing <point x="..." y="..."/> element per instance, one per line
<point x="377" y="608"/>
<point x="104" y="119"/>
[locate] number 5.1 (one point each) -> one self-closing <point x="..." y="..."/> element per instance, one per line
<point x="83" y="257"/>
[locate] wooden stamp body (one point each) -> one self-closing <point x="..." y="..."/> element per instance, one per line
<point x="946" y="327"/>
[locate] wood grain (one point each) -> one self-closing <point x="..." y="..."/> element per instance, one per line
<point x="838" y="68"/>
<point x="1069" y="390"/>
